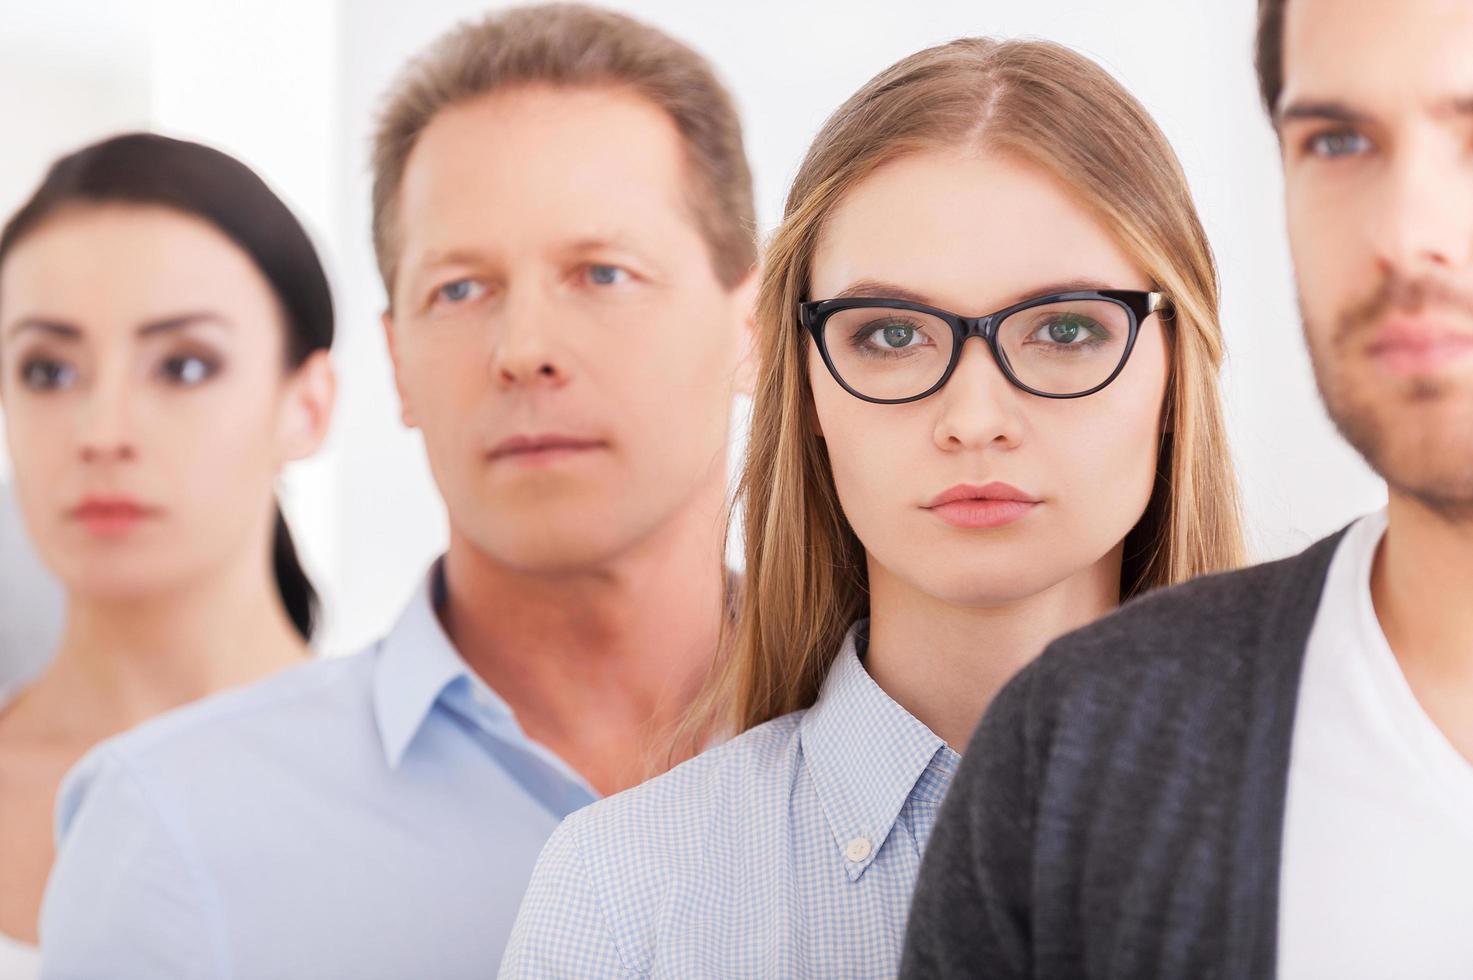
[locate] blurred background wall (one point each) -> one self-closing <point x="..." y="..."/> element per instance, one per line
<point x="291" y="87"/>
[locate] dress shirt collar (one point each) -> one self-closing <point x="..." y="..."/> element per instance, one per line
<point x="866" y="755"/>
<point x="417" y="664"/>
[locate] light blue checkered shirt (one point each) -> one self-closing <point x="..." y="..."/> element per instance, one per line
<point x="790" y="851"/>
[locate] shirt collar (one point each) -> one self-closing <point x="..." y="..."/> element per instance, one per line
<point x="417" y="663"/>
<point x="866" y="755"/>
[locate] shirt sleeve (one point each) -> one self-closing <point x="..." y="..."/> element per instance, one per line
<point x="971" y="912"/>
<point x="122" y="900"/>
<point x="561" y="930"/>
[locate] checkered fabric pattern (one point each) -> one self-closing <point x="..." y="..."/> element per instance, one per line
<point x="790" y="851"/>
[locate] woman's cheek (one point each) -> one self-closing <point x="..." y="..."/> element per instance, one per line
<point x="223" y="448"/>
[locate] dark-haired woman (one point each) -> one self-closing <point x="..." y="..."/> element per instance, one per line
<point x="164" y="334"/>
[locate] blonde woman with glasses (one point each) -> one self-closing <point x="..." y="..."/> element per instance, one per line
<point x="987" y="414"/>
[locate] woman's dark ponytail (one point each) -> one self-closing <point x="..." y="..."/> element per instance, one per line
<point x="297" y="593"/>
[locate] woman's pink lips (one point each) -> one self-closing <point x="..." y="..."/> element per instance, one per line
<point x="992" y="505"/>
<point x="111" y="517"/>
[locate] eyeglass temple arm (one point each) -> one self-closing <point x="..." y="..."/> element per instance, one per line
<point x="1160" y="303"/>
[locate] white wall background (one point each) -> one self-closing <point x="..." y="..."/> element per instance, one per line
<point x="292" y="86"/>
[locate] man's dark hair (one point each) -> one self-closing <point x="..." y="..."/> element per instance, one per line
<point x="1269" y="52"/>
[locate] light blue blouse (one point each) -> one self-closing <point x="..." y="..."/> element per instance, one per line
<point x="790" y="851"/>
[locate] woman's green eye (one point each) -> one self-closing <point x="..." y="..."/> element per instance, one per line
<point x="1063" y="332"/>
<point x="1068" y="330"/>
<point x="898" y="336"/>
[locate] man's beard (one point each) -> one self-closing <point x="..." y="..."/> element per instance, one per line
<point x="1430" y="463"/>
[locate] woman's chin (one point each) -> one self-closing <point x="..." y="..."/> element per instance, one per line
<point x="122" y="578"/>
<point x="986" y="587"/>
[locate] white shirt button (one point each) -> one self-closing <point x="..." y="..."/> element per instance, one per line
<point x="483" y="697"/>
<point x="858" y="849"/>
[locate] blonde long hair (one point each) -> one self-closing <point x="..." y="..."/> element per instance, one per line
<point x="806" y="579"/>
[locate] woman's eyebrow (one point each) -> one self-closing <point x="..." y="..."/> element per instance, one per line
<point x="61" y="330"/>
<point x="880" y="289"/>
<point x="51" y="328"/>
<point x="1081" y="284"/>
<point x="181" y="321"/>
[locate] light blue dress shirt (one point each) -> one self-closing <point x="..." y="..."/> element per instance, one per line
<point x="372" y="816"/>
<point x="790" y="851"/>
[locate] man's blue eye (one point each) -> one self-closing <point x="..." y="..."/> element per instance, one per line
<point x="456" y="292"/>
<point x="1338" y="143"/>
<point x="606" y="275"/>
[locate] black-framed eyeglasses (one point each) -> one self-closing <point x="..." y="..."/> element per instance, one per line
<point x="1063" y="345"/>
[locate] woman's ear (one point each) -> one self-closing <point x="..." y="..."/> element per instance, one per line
<point x="307" y="412"/>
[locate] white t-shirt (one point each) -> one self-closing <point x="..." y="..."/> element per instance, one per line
<point x="1377" y="877"/>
